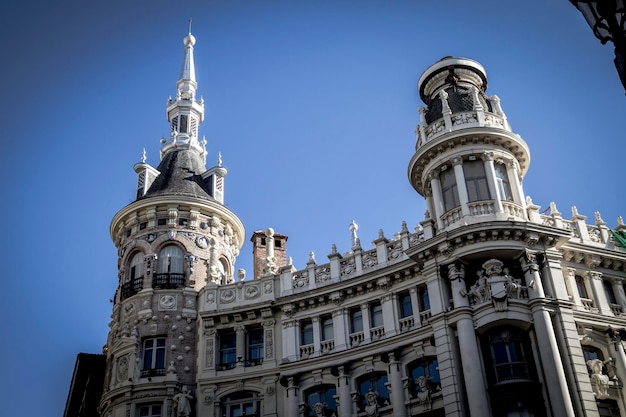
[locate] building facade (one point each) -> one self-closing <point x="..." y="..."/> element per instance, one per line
<point x="487" y="307"/>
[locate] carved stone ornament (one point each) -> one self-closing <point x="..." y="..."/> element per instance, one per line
<point x="227" y="296"/>
<point x="122" y="368"/>
<point x="600" y="382"/>
<point x="167" y="302"/>
<point x="202" y="242"/>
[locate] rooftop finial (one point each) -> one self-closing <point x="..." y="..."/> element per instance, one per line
<point x="190" y="25"/>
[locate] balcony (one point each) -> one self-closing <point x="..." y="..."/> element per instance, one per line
<point x="131" y="287"/>
<point x="168" y="280"/>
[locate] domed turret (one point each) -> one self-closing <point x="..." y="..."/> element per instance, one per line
<point x="468" y="163"/>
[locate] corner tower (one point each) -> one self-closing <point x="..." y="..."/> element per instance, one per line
<point x="468" y="164"/>
<point x="176" y="238"/>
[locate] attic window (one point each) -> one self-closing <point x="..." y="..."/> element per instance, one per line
<point x="143" y="225"/>
<point x="183" y="222"/>
<point x="162" y="222"/>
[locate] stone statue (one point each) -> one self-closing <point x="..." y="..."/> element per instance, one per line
<point x="371" y="404"/>
<point x="601" y="381"/>
<point x="183" y="403"/>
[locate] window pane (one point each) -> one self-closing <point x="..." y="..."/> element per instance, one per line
<point x="327" y="329"/>
<point x="406" y="308"/>
<point x="356" y="321"/>
<point x="476" y="180"/>
<point x="307" y="333"/>
<point x="170" y="260"/>
<point x="376" y="311"/>
<point x="502" y="179"/>
<point x="449" y="190"/>
<point x="423" y="299"/>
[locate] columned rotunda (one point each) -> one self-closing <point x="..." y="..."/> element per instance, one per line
<point x="488" y="306"/>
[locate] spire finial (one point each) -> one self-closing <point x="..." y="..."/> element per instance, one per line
<point x="190" y="25"/>
<point x="219" y="159"/>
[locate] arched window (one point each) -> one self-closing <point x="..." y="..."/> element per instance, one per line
<point x="424" y="375"/>
<point x="373" y="383"/>
<point x="319" y="401"/>
<point x="508" y="355"/>
<point x="476" y="180"/>
<point x="241" y="404"/>
<point x="134" y="277"/>
<point x="169" y="268"/>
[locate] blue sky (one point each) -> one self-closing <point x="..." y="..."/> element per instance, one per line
<point x="312" y="105"/>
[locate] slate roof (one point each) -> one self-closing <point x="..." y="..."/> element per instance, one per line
<point x="180" y="176"/>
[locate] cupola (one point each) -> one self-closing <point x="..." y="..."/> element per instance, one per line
<point x="468" y="164"/>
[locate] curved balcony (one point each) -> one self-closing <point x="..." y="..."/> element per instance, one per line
<point x="168" y="280"/>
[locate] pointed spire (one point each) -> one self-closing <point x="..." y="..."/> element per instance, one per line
<point x="187" y="82"/>
<point x="184" y="112"/>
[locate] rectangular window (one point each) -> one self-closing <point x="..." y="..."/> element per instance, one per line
<point x="406" y="308"/>
<point x="153" y="356"/>
<point x="376" y="315"/>
<point x="449" y="190"/>
<point x="422" y="296"/>
<point x="255" y="346"/>
<point x="228" y="349"/>
<point x="306" y="332"/>
<point x="502" y="181"/>
<point x="476" y="181"/>
<point x="582" y="289"/>
<point x="356" y="321"/>
<point x="161" y="222"/>
<point x="149" y="410"/>
<point x="327" y="328"/>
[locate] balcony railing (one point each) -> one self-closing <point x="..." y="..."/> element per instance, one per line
<point x="253" y="362"/>
<point x="131" y="287"/>
<point x="327" y="346"/>
<point x="307" y="351"/>
<point x="406" y="323"/>
<point x="153" y="372"/>
<point x="226" y="365"/>
<point x="377" y="332"/>
<point x="356" y="338"/>
<point x="168" y="280"/>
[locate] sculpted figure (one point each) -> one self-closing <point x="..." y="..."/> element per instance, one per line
<point x="183" y="404"/>
<point x="601" y="381"/>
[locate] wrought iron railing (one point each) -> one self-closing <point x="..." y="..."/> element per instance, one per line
<point x="131" y="287"/>
<point x="168" y="280"/>
<point x="153" y="372"/>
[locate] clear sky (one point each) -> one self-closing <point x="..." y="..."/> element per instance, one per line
<point x="312" y="104"/>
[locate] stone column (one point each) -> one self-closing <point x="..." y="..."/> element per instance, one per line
<point x="240" y="332"/>
<point x="292" y="397"/>
<point x="390" y="320"/>
<point x="555" y="383"/>
<point x="365" y="313"/>
<point x="570" y="276"/>
<point x="477" y="399"/>
<point x="515" y="183"/>
<point x="317" y="348"/>
<point x="339" y="329"/>
<point x="397" y="387"/>
<point x="345" y="399"/>
<point x="490" y="173"/>
<point x="461" y="188"/>
<point x="438" y="207"/>
<point x="415" y="307"/>
<point x="597" y="287"/>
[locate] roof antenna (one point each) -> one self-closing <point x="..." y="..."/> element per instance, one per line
<point x="189" y="25"/>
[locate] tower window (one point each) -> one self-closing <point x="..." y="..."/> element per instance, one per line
<point x="449" y="190"/>
<point x="169" y="268"/>
<point x="502" y="181"/>
<point x="153" y="357"/>
<point x="149" y="410"/>
<point x="134" y="279"/>
<point x="476" y="181"/>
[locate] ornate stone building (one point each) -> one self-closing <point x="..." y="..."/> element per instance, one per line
<point x="488" y="307"/>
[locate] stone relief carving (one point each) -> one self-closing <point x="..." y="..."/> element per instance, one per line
<point x="122" y="368"/>
<point x="495" y="284"/>
<point x="167" y="302"/>
<point x="183" y="403"/>
<point x="227" y="296"/>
